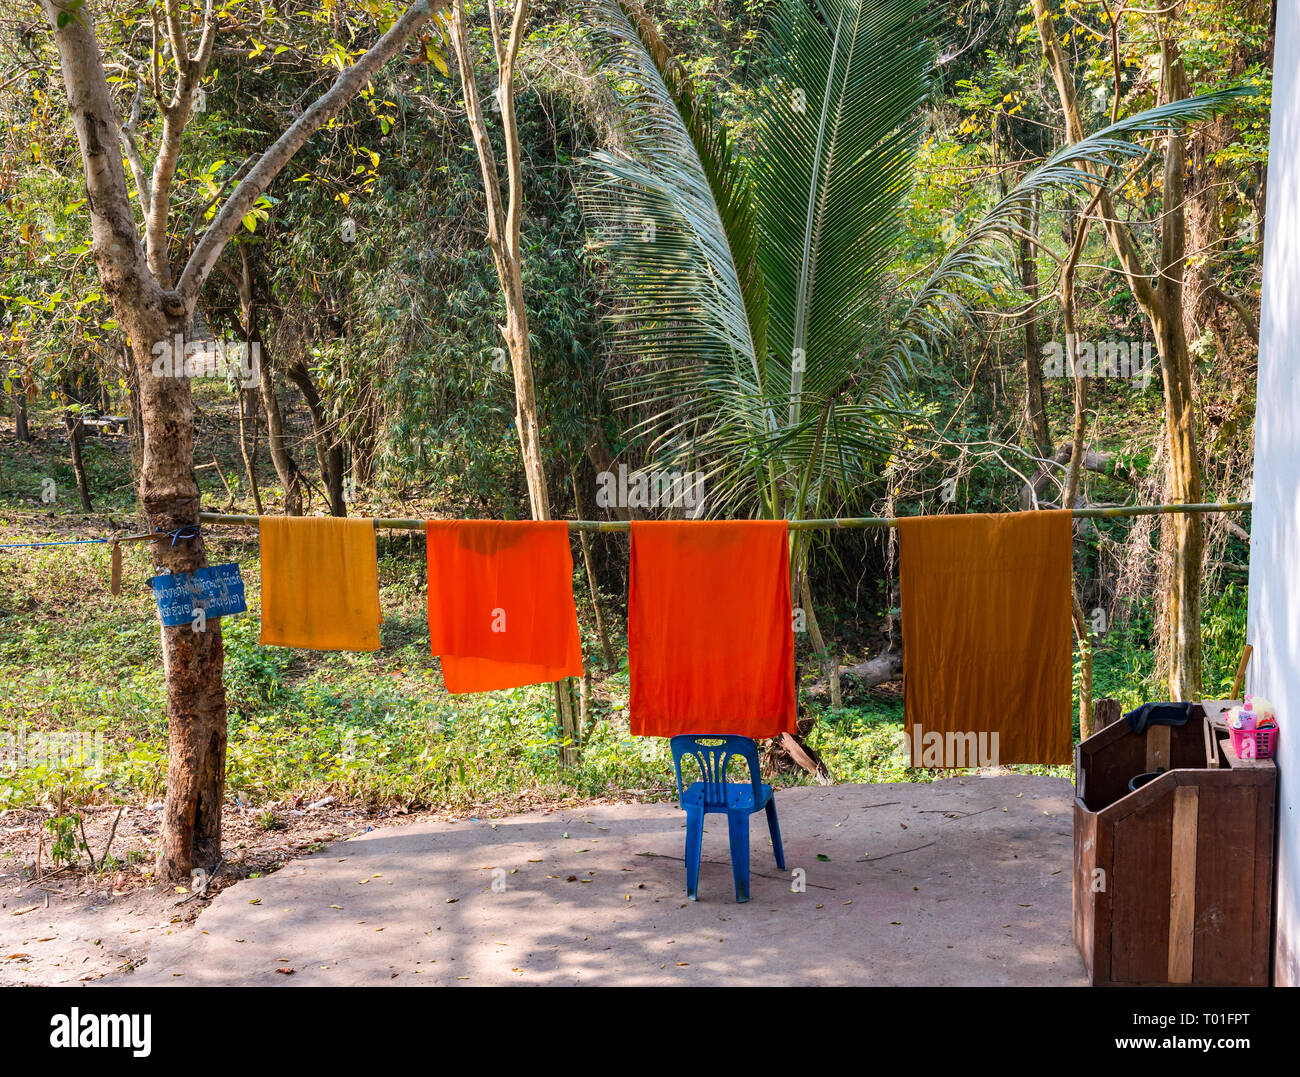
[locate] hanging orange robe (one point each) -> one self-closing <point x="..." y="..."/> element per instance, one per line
<point x="501" y="611"/>
<point x="320" y="583"/>
<point x="710" y="634"/>
<point x="987" y="637"/>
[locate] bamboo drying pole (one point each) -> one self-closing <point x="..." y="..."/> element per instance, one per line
<point x="1097" y="513"/>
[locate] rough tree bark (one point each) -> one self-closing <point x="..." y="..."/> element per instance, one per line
<point x="21" y="430"/>
<point x="151" y="306"/>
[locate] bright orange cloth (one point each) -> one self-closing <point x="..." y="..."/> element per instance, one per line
<point x="501" y="612"/>
<point x="710" y="638"/>
<point x="986" y="637"/>
<point x="320" y="583"/>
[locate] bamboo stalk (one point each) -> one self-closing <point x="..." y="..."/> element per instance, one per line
<point x="1098" y="513"/>
<point x="1241" y="672"/>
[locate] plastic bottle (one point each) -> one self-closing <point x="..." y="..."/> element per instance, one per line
<point x="1246" y="717"/>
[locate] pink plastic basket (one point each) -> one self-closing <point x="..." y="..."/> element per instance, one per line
<point x="1254" y="743"/>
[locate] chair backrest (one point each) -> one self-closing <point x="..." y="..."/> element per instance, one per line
<point x="713" y="752"/>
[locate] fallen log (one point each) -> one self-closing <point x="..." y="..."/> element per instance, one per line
<point x="886" y="666"/>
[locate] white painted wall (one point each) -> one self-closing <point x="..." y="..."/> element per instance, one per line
<point x="1274" y="618"/>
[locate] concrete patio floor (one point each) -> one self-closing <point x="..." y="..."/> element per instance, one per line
<point x="960" y="882"/>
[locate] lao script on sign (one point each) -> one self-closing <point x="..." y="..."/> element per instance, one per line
<point x="217" y="590"/>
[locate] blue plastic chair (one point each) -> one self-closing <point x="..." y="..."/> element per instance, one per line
<point x="714" y="794"/>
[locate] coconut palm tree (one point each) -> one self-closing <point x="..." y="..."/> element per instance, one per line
<point x="768" y="345"/>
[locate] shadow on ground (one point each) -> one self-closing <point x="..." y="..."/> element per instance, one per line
<point x="959" y="882"/>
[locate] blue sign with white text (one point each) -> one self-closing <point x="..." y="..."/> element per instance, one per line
<point x="217" y="590"/>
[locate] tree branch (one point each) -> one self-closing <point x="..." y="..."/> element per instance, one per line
<point x="510" y="128"/>
<point x="176" y="114"/>
<point x="118" y="252"/>
<point x="496" y="220"/>
<point x="132" y="149"/>
<point x="272" y="162"/>
<point x="1121" y="238"/>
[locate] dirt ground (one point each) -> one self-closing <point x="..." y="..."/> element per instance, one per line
<point x="965" y="881"/>
<point x="64" y="927"/>
<point x="958" y="882"/>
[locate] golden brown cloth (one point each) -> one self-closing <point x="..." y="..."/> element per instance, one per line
<point x="320" y="583"/>
<point x="987" y="638"/>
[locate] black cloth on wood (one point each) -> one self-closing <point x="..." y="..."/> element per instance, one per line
<point x="1158" y="714"/>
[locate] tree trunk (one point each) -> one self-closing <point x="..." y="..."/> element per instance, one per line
<point x="248" y="415"/>
<point x="137" y="433"/>
<point x="589" y="564"/>
<point x="1084" y="637"/>
<point x="72" y="423"/>
<point x="329" y="449"/>
<point x="361" y="441"/>
<point x="290" y="476"/>
<point x="21" y="430"/>
<point x="1183" y="532"/>
<point x="1105" y="712"/>
<point x="503" y="229"/>
<point x="503" y="233"/>
<point x="1159" y="293"/>
<point x="137" y="280"/>
<point x="285" y="467"/>
<point x="828" y="662"/>
<point x="190" y="836"/>
<point x="1035" y="409"/>
<point x="1074" y="472"/>
<point x="1183" y="535"/>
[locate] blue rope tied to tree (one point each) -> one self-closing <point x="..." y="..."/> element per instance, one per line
<point x="181" y="534"/>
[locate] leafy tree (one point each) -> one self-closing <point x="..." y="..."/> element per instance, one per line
<point x="773" y="346"/>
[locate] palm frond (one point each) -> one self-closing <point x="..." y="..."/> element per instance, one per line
<point x="680" y="166"/>
<point x="675" y="213"/>
<point x="941" y="304"/>
<point x="755" y="314"/>
<point x="837" y="143"/>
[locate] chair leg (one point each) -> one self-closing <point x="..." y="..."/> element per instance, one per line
<point x="774" y="828"/>
<point x="738" y="830"/>
<point x="694" y="842"/>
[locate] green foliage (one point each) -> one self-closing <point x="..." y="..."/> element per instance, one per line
<point x="1124" y="658"/>
<point x="759" y="302"/>
<point x="368" y="728"/>
<point x="65" y="843"/>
